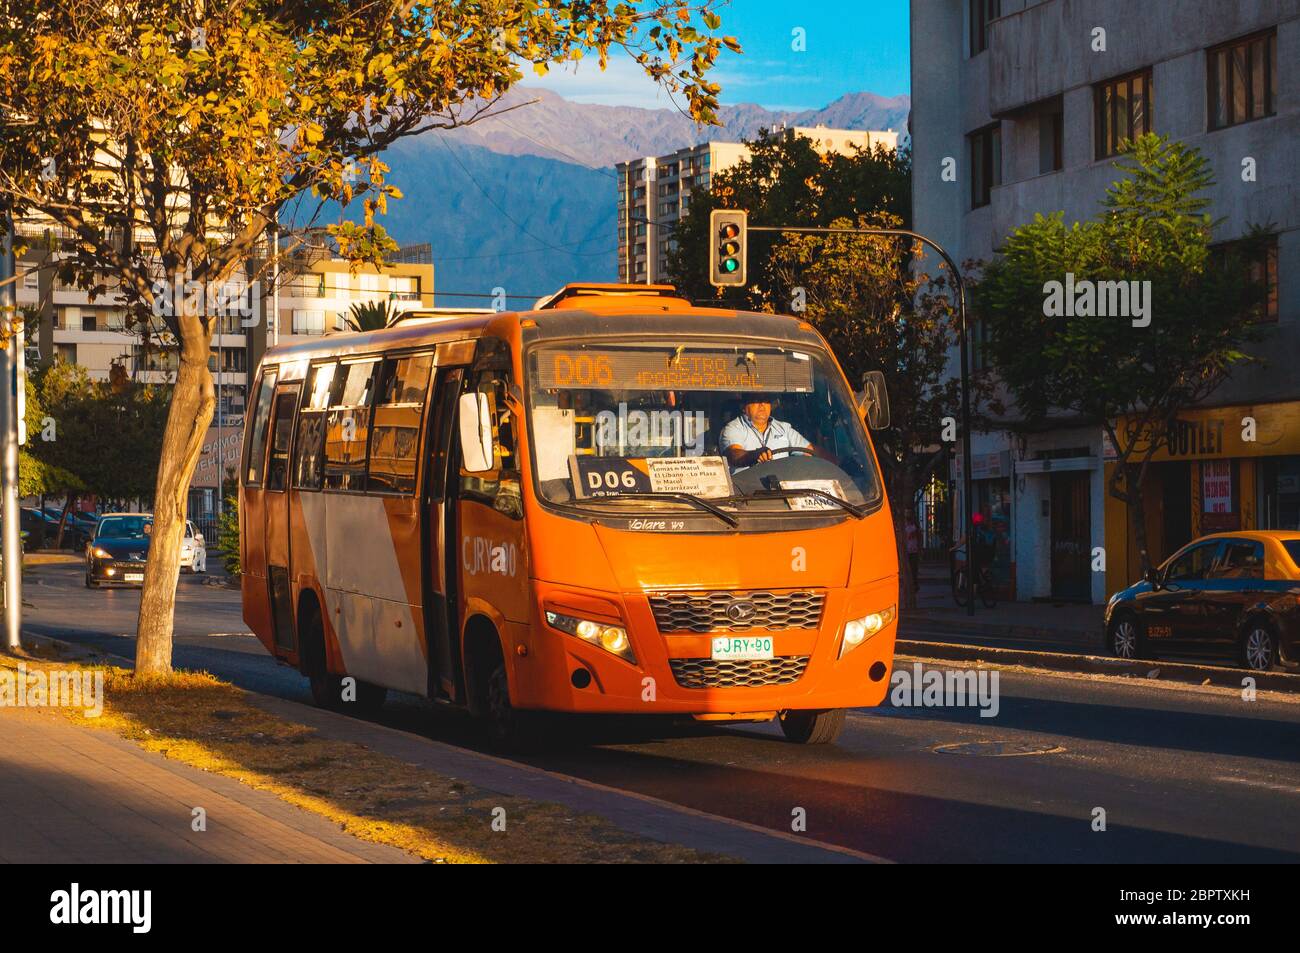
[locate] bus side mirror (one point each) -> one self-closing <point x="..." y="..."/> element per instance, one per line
<point x="873" y="401"/>
<point x="475" y="432"/>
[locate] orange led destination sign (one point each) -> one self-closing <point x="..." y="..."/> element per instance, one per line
<point x="644" y="369"/>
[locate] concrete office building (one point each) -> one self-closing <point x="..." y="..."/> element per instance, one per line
<point x="1027" y="101"/>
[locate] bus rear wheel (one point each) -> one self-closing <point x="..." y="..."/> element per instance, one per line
<point x="326" y="687"/>
<point x="812" y="727"/>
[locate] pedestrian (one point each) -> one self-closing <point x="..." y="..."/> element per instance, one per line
<point x="912" y="535"/>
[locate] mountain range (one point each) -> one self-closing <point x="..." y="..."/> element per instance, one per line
<point x="525" y="198"/>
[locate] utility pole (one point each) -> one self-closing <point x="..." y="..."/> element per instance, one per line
<point x="963" y="337"/>
<point x="10" y="545"/>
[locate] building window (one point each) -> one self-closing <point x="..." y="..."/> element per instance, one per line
<point x="1260" y="259"/>
<point x="982" y="13"/>
<point x="1123" y="107"/>
<point x="1263" y="272"/>
<point x="985" y="164"/>
<point x="308" y="322"/>
<point x="1242" y="79"/>
<point x="1051" y="137"/>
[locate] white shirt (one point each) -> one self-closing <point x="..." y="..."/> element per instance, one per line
<point x="742" y="433"/>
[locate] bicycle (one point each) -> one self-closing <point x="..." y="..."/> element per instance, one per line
<point x="985" y="587"/>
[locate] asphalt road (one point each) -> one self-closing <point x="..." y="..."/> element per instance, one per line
<point x="1183" y="774"/>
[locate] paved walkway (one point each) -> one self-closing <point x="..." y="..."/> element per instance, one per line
<point x="1061" y="621"/>
<point x="76" y="794"/>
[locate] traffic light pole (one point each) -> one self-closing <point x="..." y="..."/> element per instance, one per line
<point x="963" y="337"/>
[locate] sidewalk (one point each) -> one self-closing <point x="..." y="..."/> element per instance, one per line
<point x="1059" y="622"/>
<point x="74" y="794"/>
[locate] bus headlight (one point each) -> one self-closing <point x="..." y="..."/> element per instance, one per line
<point x="611" y="638"/>
<point x="859" y="630"/>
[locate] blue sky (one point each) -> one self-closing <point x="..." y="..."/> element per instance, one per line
<point x="851" y="47"/>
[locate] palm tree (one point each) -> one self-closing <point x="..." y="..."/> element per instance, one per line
<point x="370" y="315"/>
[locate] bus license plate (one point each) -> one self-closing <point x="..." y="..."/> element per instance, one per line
<point x="731" y="649"/>
<point x="134" y="577"/>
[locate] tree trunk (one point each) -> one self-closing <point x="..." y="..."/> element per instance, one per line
<point x="193" y="402"/>
<point x="1138" y="512"/>
<point x="63" y="519"/>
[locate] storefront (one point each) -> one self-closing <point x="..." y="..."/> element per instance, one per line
<point x="1223" y="469"/>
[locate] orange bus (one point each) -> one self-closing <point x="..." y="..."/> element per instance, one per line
<point x="616" y="502"/>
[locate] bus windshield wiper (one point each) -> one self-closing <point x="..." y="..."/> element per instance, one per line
<point x="858" y="511"/>
<point x="689" y="498"/>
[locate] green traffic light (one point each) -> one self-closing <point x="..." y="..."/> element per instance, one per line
<point x="730" y="265"/>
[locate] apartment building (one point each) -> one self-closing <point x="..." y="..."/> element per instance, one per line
<point x="654" y="193"/>
<point x="1028" y="100"/>
<point x="315" y="294"/>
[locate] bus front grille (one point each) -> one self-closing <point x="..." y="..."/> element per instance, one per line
<point x="706" y="673"/>
<point x="677" y="612"/>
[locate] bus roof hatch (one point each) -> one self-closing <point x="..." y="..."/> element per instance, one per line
<point x="588" y="295"/>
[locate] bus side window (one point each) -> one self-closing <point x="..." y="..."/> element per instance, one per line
<point x="348" y="426"/>
<point x="256" y="449"/>
<point x="309" y="448"/>
<point x="277" y="467"/>
<point x="399" y="411"/>
<point x="445" y="396"/>
<point x="499" y="487"/>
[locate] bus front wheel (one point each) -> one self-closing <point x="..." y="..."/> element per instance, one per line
<point x="812" y="727"/>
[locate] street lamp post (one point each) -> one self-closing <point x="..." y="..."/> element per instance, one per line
<point x="10" y="545"/>
<point x="963" y="337"/>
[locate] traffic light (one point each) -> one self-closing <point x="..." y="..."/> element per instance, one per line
<point x="729" y="248"/>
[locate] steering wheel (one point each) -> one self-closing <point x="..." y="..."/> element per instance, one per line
<point x="807" y="450"/>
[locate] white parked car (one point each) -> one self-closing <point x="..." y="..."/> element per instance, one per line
<point x="194" y="551"/>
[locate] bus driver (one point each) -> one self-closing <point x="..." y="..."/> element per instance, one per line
<point x="756" y="437"/>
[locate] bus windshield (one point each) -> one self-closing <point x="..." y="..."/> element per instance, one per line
<point x="755" y="428"/>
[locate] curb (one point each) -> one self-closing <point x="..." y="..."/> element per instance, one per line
<point x="1101" y="665"/>
<point x="920" y="618"/>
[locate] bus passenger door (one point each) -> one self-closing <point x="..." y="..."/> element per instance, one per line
<point x="276" y="504"/>
<point x="439" y="541"/>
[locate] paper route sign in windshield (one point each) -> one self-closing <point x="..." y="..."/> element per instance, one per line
<point x="705" y="477"/>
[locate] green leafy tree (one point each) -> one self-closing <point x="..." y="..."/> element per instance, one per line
<point x="166" y="137"/>
<point x="873" y="298"/>
<point x="880" y="314"/>
<point x="370" y="315"/>
<point x="36" y="477"/>
<point x="228" y="535"/>
<point x="786" y="181"/>
<point x="1130" y="377"/>
<point x="106" y="434"/>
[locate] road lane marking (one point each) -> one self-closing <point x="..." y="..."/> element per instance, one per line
<point x="1268" y="785"/>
